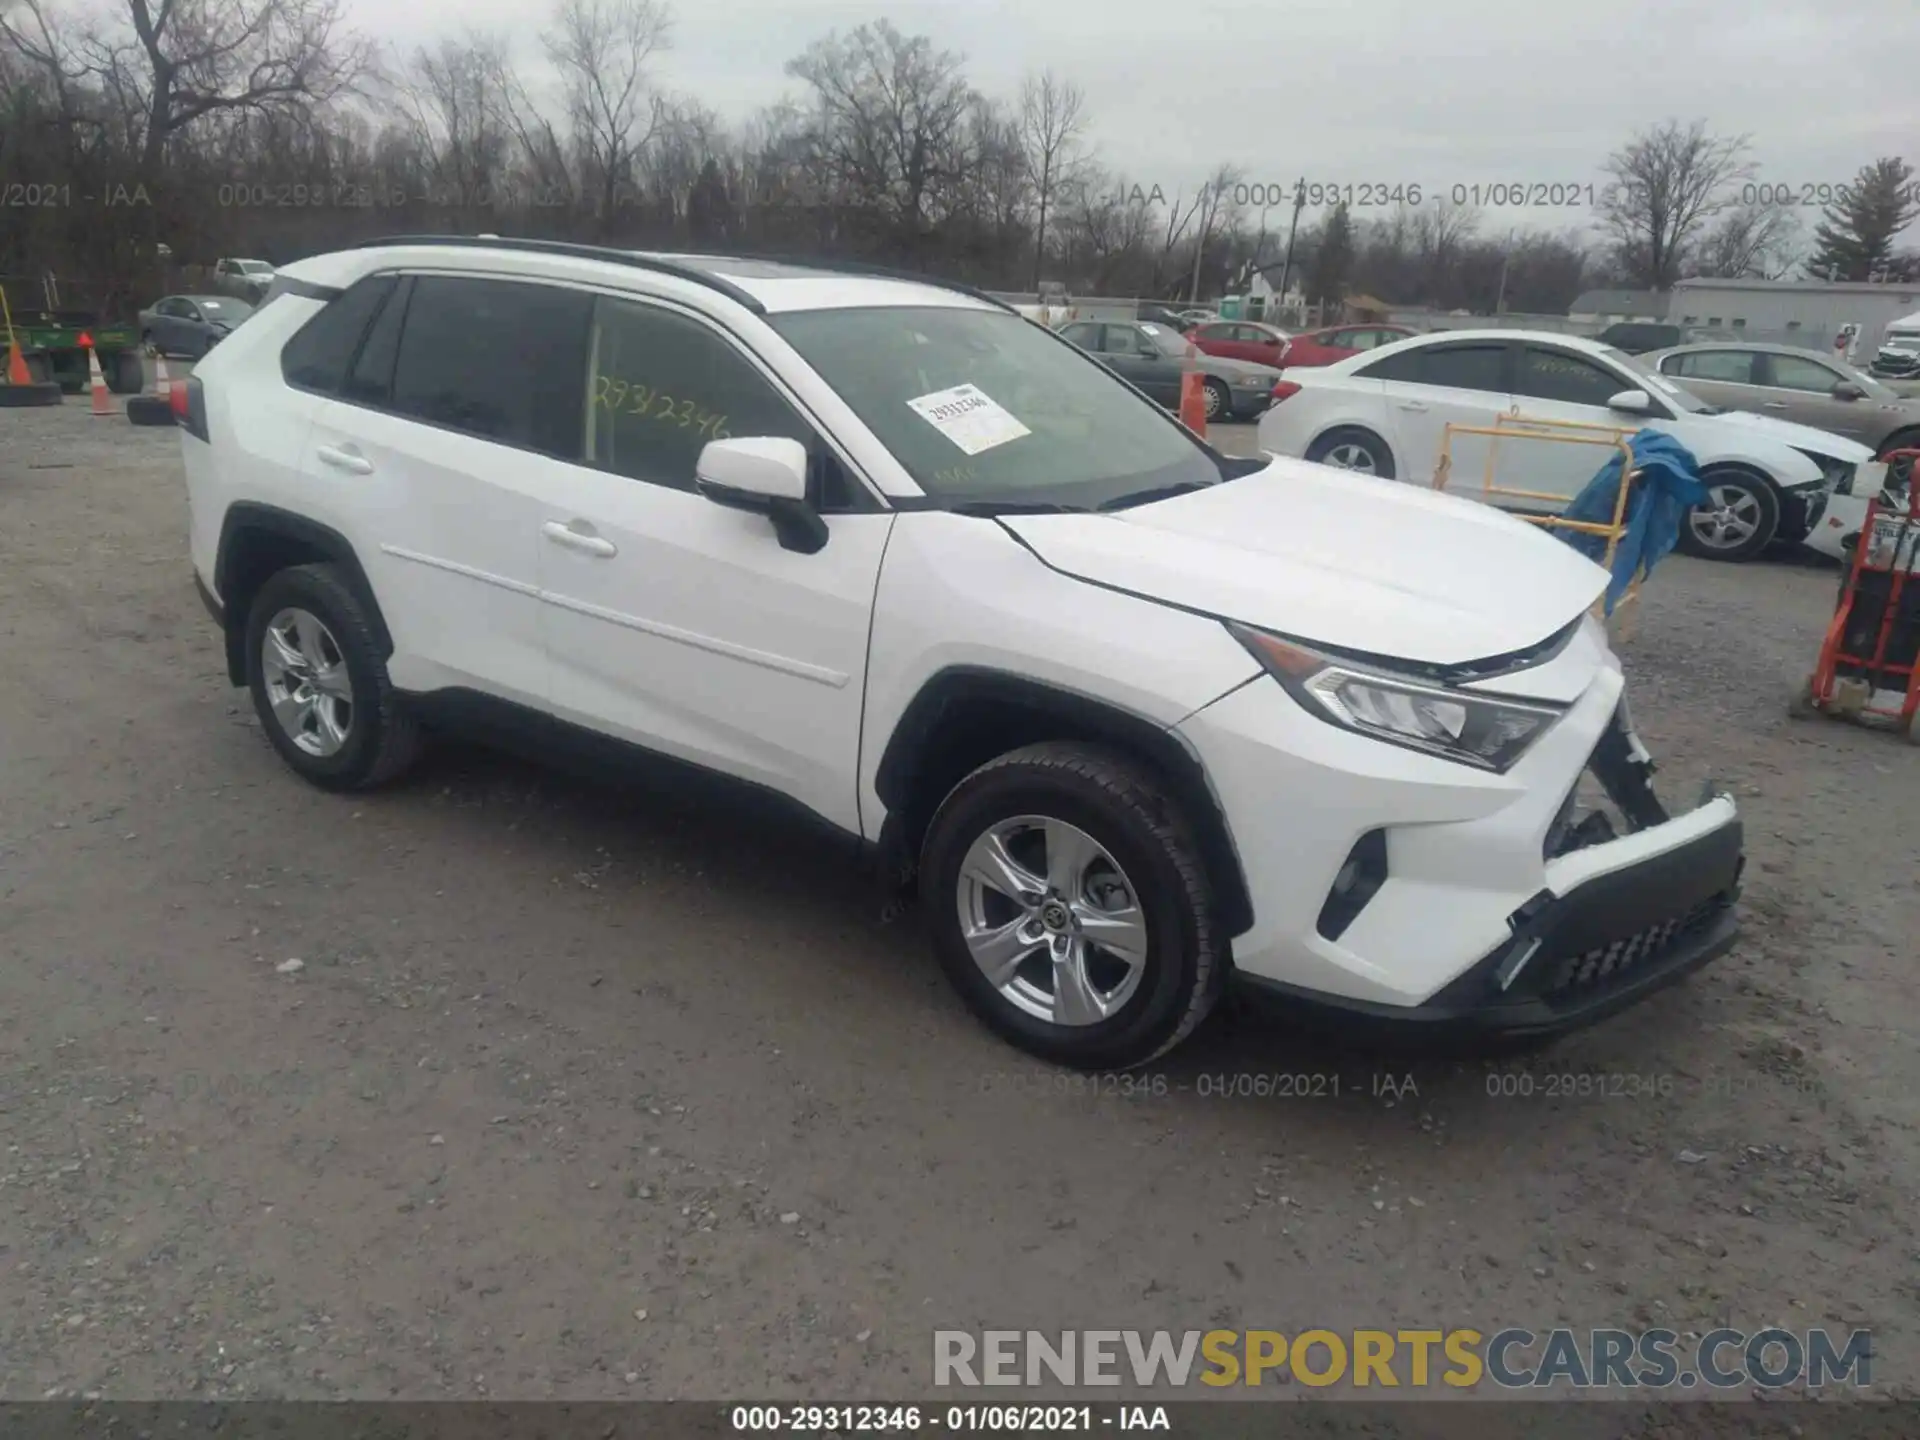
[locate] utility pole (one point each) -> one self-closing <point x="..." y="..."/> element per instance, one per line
<point x="1299" y="204"/>
<point x="1506" y="258"/>
<point x="1200" y="247"/>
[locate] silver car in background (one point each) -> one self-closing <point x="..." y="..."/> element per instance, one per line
<point x="1807" y="387"/>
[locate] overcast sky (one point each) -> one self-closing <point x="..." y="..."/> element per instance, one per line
<point x="1434" y="92"/>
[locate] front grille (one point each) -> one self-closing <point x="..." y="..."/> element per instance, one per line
<point x="1619" y="960"/>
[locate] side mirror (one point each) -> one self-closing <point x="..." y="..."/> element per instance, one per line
<point x="1847" y="390"/>
<point x="763" y="475"/>
<point x="1632" y="402"/>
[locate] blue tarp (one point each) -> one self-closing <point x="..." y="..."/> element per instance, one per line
<point x="1668" y="487"/>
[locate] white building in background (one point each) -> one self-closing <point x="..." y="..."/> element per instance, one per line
<point x="1809" y="313"/>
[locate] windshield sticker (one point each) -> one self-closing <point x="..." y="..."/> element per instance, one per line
<point x="967" y="417"/>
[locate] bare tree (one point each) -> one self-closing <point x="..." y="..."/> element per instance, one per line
<point x="1667" y="185"/>
<point x="1217" y="208"/>
<point x="457" y="113"/>
<point x="602" y="49"/>
<point x="1749" y="242"/>
<point x="1052" y="122"/>
<point x="168" y="65"/>
<point x="1440" y="233"/>
<point x="890" y="124"/>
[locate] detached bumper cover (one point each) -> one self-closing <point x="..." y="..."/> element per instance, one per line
<point x="1577" y="958"/>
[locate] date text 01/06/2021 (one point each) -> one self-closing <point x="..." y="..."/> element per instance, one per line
<point x="958" y="1419"/>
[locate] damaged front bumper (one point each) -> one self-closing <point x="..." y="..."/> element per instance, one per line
<point x="1635" y="899"/>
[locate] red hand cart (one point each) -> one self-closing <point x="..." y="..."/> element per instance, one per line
<point x="1872" y="648"/>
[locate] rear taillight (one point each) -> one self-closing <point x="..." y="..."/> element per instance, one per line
<point x="190" y="406"/>
<point x="1285" y="390"/>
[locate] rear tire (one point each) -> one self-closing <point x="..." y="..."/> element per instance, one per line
<point x="1111" y="855"/>
<point x="1354" y="449"/>
<point x="329" y="657"/>
<point x="1740" y="520"/>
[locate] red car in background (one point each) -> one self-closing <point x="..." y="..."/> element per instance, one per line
<point x="1323" y="347"/>
<point x="1240" y="340"/>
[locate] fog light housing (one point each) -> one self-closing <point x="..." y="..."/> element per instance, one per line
<point x="1355" y="884"/>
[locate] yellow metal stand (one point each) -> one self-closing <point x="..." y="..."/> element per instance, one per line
<point x="1511" y="426"/>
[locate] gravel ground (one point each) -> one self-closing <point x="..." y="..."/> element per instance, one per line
<point x="502" y="1084"/>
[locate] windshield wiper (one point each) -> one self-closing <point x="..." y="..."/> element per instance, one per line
<point x="1015" y="507"/>
<point x="1158" y="492"/>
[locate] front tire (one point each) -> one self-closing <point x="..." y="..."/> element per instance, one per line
<point x="1070" y="908"/>
<point x="1217" y="399"/>
<point x="1360" y="451"/>
<point x="1740" y="518"/>
<point x="319" y="682"/>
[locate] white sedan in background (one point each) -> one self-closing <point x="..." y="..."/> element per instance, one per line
<point x="1385" y="411"/>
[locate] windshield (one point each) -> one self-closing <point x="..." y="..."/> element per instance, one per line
<point x="983" y="406"/>
<point x="226" y="309"/>
<point x="255" y="267"/>
<point x="1659" y="386"/>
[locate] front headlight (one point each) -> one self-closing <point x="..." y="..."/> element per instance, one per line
<point x="1484" y="731"/>
<point x="1837" y="473"/>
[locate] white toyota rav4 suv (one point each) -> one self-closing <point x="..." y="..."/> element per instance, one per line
<point x="1139" y="717"/>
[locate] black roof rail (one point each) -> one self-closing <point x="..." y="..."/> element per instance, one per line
<point x="881" y="272"/>
<point x="579" y="252"/>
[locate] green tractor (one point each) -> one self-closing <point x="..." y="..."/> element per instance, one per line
<point x="54" y="338"/>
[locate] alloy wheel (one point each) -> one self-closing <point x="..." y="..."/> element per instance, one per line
<point x="1351" y="455"/>
<point x="1052" y="920"/>
<point x="307" y="683"/>
<point x="1728" y="519"/>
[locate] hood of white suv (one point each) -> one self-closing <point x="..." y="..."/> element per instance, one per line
<point x="1337" y="559"/>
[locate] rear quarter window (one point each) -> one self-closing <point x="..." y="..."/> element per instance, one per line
<point x="320" y="352"/>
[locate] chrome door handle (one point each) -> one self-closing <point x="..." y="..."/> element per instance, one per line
<point x="1774" y="405"/>
<point x="586" y="544"/>
<point x="344" y="460"/>
<point x="1413" y="405"/>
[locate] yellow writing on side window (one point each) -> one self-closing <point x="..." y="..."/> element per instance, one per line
<point x="619" y="397"/>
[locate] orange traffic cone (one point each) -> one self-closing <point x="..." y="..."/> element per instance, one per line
<point x="162" y="386"/>
<point x="17" y="372"/>
<point x="101" y="404"/>
<point x="1193" y="399"/>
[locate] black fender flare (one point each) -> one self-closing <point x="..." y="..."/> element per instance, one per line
<point x="249" y="526"/>
<point x="913" y="776"/>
